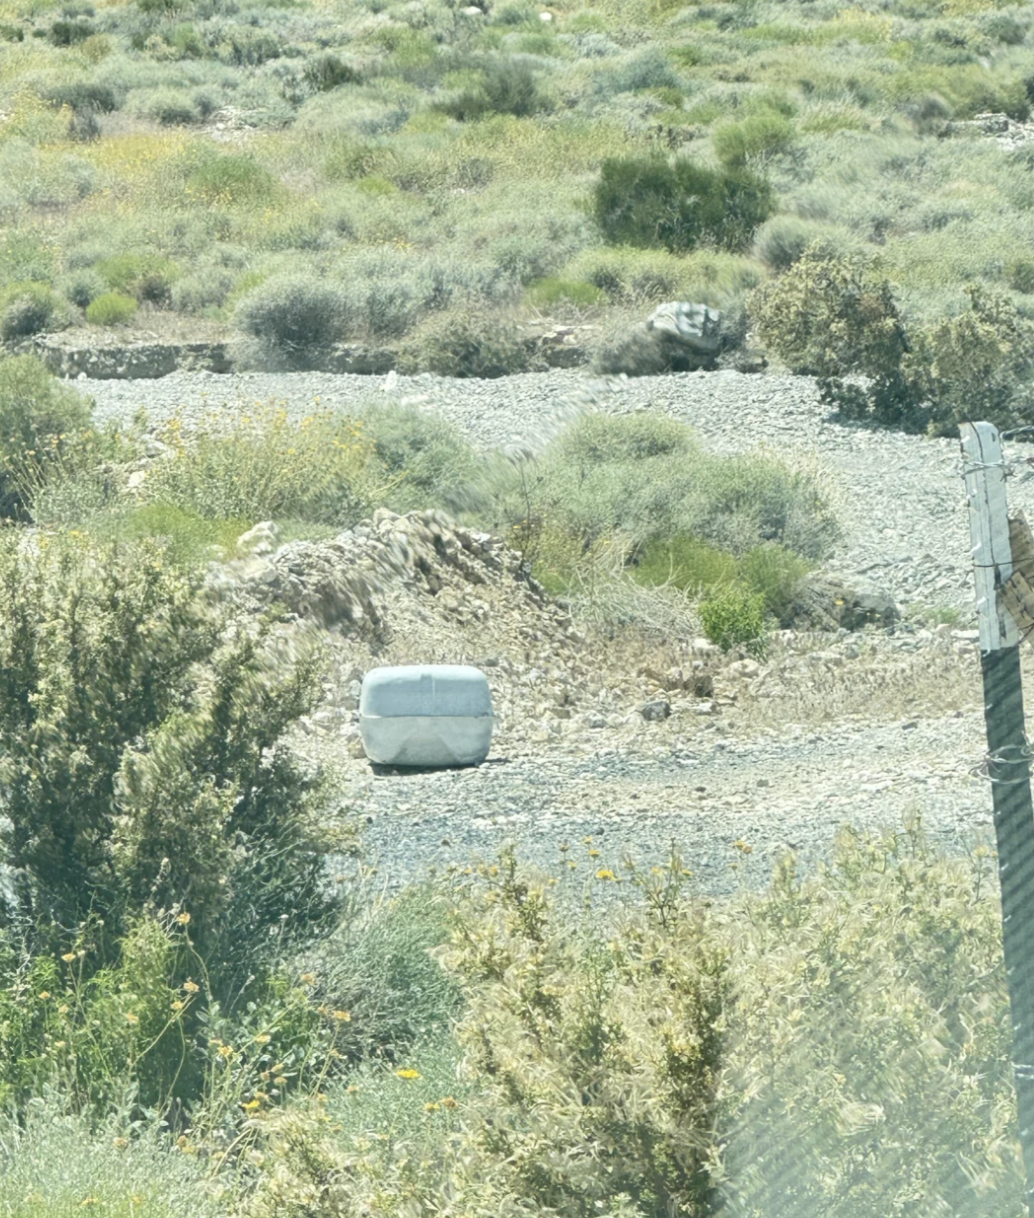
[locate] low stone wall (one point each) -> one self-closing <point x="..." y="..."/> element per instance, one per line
<point x="128" y="360"/>
<point x="558" y="347"/>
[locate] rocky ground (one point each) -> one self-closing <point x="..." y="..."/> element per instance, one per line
<point x="620" y="737"/>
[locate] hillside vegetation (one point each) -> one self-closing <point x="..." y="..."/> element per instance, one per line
<point x="200" y="1015"/>
<point x="419" y="172"/>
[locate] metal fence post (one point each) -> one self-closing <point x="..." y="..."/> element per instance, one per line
<point x="1008" y="755"/>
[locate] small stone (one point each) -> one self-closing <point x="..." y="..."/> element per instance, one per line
<point x="655" y="710"/>
<point x="748" y="669"/>
<point x="262" y="539"/>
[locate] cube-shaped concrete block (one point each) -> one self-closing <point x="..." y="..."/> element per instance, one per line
<point x="426" y="715"/>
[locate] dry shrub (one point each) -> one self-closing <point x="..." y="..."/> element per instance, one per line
<point x="691" y="1056"/>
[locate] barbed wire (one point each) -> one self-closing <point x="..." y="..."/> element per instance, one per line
<point x="982" y="768"/>
<point x="1009" y="467"/>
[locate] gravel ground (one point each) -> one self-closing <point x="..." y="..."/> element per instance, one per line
<point x="792" y="790"/>
<point x="901" y="502"/>
<point x="900" y="498"/>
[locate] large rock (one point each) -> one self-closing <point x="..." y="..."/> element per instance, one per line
<point x="824" y="602"/>
<point x="677" y="337"/>
<point x="687" y="332"/>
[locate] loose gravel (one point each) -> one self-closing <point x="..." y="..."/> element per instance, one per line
<point x="902" y="505"/>
<point x="900" y="498"/>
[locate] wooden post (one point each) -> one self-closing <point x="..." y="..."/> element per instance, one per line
<point x="1008" y="755"/>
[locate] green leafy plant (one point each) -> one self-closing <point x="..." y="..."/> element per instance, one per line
<point x="508" y="87"/>
<point x="144" y="276"/>
<point x="232" y="179"/>
<point x="322" y="469"/>
<point x="327" y="72"/>
<point x="465" y="342"/>
<point x="111" y="309"/>
<point x="43" y="425"/>
<point x="826" y="316"/>
<point x="764" y="133"/>
<point x="977" y="365"/>
<point x="27" y="309"/>
<point x="142" y="764"/>
<point x="652" y="202"/>
<point x="555" y="290"/>
<point x="734" y="616"/>
<point x="297" y="317"/>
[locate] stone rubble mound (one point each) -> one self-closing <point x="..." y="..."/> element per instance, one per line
<point x="1008" y="133"/>
<point x="344" y="581"/>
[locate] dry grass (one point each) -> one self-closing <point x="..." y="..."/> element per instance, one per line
<point x="803" y="686"/>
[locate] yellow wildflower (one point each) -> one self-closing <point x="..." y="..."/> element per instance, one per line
<point x="408" y="1073"/>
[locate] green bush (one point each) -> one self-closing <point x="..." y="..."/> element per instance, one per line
<point x="169" y="108"/>
<point x="643" y="478"/>
<point x="298" y="318"/>
<point x="327" y="72"/>
<point x="734" y="616"/>
<point x="42" y="425"/>
<point x="27" y="309"/>
<point x="143" y="276"/>
<point x="321" y="469"/>
<point x="142" y="763"/>
<point x="775" y="572"/>
<point x="782" y="241"/>
<point x="432" y="463"/>
<point x="390" y="309"/>
<point x="111" y="309"/>
<point x="1021" y="276"/>
<point x="85" y="95"/>
<point x="233" y="178"/>
<point x="646" y="69"/>
<point x="70" y="33"/>
<point x="762" y="134"/>
<point x="647" y="202"/>
<point x="186" y="535"/>
<point x="466" y="342"/>
<point x="693" y="566"/>
<point x="58" y="1160"/>
<point x="977" y="365"/>
<point x="826" y="316"/>
<point x="376" y="965"/>
<point x="554" y="290"/>
<point x="82" y="286"/>
<point x="508" y="88"/>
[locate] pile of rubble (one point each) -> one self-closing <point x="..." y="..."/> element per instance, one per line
<point x="420" y="588"/>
